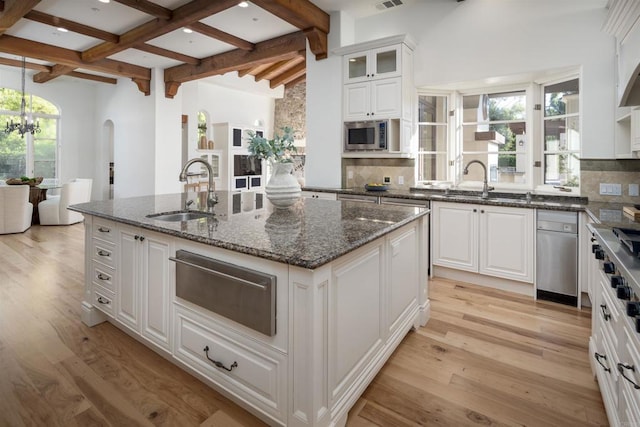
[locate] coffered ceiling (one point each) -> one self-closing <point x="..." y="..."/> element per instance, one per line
<point x="188" y="39"/>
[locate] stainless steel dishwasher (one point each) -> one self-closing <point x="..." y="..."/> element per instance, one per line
<point x="557" y="256"/>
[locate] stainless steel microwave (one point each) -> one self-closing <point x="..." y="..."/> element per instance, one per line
<point x="366" y="135"/>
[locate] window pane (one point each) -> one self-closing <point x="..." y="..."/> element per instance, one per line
<point x="44" y="162"/>
<point x="432" y="167"/>
<point x="432" y="109"/>
<point x="501" y="168"/>
<point x="432" y="138"/>
<point x="562" y="134"/>
<point x="561" y="98"/>
<point x="562" y="169"/>
<point x="13" y="151"/>
<point x="494" y="107"/>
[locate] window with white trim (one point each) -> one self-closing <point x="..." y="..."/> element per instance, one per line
<point x="561" y="134"/>
<point x="433" y="140"/>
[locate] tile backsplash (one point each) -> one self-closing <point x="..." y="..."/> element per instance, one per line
<point x="596" y="172"/>
<point x="358" y="172"/>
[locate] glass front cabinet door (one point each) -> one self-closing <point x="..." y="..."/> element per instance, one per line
<point x="377" y="63"/>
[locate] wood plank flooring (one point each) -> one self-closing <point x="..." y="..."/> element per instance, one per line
<point x="486" y="357"/>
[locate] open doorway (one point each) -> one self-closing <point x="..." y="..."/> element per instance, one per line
<point x="107" y="165"/>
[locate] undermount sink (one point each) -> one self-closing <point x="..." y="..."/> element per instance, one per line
<point x="179" y="216"/>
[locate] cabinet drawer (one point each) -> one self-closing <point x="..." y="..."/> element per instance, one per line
<point x="609" y="314"/>
<point x="103" y="229"/>
<point x="103" y="299"/>
<point x="629" y="365"/>
<point x="103" y="252"/>
<point x="103" y="275"/>
<point x="606" y="372"/>
<point x="252" y="371"/>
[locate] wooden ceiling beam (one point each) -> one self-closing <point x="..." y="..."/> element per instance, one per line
<point x="93" y="77"/>
<point x="277" y="49"/>
<point x="304" y="15"/>
<point x="13" y="11"/>
<point x="29" y="65"/>
<point x="146" y="47"/>
<point x="54" y="21"/>
<point x="59" y="55"/>
<point x="148" y="7"/>
<point x="183" y="15"/>
<point x="221" y="35"/>
<point x="294" y="82"/>
<point x="56" y="71"/>
<point x="290" y="74"/>
<point x="277" y="68"/>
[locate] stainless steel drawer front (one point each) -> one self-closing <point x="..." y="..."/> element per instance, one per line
<point x="243" y="295"/>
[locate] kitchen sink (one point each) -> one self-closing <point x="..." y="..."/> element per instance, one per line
<point x="179" y="216"/>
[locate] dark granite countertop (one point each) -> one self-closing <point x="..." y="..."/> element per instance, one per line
<point x="309" y="234"/>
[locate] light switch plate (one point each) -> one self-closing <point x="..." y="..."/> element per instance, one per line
<point x="633" y="190"/>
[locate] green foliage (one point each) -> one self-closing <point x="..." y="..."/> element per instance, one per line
<point x="278" y="149"/>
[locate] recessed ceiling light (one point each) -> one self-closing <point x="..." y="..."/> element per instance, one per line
<point x="63" y="30"/>
<point x="187" y="30"/>
<point x="243" y="4"/>
<point x="104" y="1"/>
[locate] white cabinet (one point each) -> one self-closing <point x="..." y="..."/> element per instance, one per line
<point x="378" y="80"/>
<point x="376" y="63"/>
<point x="491" y="240"/>
<point x="144" y="292"/>
<point x="373" y="100"/>
<point x="237" y="170"/>
<point x="627" y="133"/>
<point x="319" y="195"/>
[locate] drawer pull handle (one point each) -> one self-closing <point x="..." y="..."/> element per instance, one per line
<point x="219" y="364"/>
<point x="103" y="277"/>
<point x="606" y="315"/>
<point x="104" y="253"/>
<point x="598" y="356"/>
<point x="622" y="367"/>
<point x="103" y="230"/>
<point x="103" y="301"/>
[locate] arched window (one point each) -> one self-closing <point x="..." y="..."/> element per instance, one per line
<point x="28" y="155"/>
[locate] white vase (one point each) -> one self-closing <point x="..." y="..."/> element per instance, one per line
<point x="283" y="189"/>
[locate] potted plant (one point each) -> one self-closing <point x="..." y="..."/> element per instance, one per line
<point x="282" y="188"/>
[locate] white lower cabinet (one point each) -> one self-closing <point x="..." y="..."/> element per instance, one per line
<point x="254" y="373"/>
<point x="491" y="240"/>
<point x="144" y="292"/>
<point x="319" y="195"/>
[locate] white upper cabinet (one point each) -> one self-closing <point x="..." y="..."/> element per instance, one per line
<point x="377" y="63"/>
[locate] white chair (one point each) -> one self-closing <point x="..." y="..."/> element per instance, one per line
<point x="15" y="209"/>
<point x="54" y="211"/>
<point x="89" y="181"/>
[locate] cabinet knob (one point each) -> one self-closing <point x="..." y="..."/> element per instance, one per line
<point x="475" y="210"/>
<point x="136" y="237"/>
<point x="482" y="211"/>
<point x="142" y="238"/>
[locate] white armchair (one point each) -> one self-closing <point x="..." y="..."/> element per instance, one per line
<point x="54" y="211"/>
<point x="15" y="209"/>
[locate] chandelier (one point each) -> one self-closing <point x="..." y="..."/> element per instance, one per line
<point x="23" y="126"/>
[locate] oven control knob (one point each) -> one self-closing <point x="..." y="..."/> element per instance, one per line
<point x="624" y="292"/>
<point x="594" y="248"/>
<point x="617" y="281"/>
<point x="633" y="308"/>
<point x="599" y="253"/>
<point x="609" y="267"/>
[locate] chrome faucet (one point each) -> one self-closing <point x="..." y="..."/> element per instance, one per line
<point x="212" y="198"/>
<point x="485" y="186"/>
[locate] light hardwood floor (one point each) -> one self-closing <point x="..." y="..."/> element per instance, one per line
<point x="485" y="358"/>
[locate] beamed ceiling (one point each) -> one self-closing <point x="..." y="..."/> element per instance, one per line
<point x="128" y="38"/>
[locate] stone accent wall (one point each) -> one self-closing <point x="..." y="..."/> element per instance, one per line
<point x="291" y="111"/>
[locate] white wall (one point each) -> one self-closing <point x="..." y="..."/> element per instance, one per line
<point x="324" y="109"/>
<point x="134" y="135"/>
<point x="480" y="39"/>
<point x="475" y="40"/>
<point x="75" y="100"/>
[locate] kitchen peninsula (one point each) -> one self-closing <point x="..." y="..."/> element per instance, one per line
<point x="290" y="313"/>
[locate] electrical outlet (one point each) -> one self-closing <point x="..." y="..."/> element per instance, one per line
<point x="386" y="180"/>
<point x="604" y="188"/>
<point x="616" y="189"/>
<point x="350" y="175"/>
<point x="633" y="190"/>
<point x="401" y="180"/>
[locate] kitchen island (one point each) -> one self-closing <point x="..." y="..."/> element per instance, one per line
<point x="322" y="294"/>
